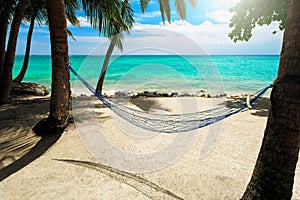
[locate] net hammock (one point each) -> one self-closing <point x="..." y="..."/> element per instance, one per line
<point x="172" y="123"/>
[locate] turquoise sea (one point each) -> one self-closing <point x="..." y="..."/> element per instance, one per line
<point x="164" y="73"/>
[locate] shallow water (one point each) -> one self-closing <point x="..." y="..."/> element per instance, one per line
<point x="185" y="74"/>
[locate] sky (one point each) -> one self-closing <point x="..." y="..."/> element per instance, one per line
<point x="204" y="32"/>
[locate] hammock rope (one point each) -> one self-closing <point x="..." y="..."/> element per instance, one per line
<point x="170" y="123"/>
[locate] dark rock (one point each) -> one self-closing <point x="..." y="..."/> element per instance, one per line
<point x="220" y="95"/>
<point x="185" y="95"/>
<point x="28" y="88"/>
<point x="120" y="94"/>
<point x="207" y="95"/>
<point x="174" y="94"/>
<point x="164" y="95"/>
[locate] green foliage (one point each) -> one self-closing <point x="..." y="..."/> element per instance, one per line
<point x="144" y="4"/>
<point x="71" y="7"/>
<point x="7" y="8"/>
<point x="180" y="5"/>
<point x="164" y="6"/>
<point x="127" y="15"/>
<point x="249" y="13"/>
<point x="181" y="8"/>
<point x="106" y="17"/>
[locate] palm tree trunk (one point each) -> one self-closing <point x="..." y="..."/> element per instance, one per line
<point x="3" y="33"/>
<point x="274" y="172"/>
<point x="108" y="54"/>
<point x="105" y="64"/>
<point x="6" y="80"/>
<point x="60" y="87"/>
<point x="21" y="75"/>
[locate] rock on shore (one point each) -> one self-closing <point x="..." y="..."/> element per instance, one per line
<point x="28" y="88"/>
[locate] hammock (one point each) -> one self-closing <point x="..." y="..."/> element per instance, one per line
<point x="171" y="123"/>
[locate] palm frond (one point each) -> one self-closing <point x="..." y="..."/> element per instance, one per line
<point x="71" y="34"/>
<point x="41" y="16"/>
<point x="117" y="40"/>
<point x="144" y="4"/>
<point x="164" y="6"/>
<point x="181" y="8"/>
<point x="162" y="10"/>
<point x="35" y="9"/>
<point x="193" y="3"/>
<point x="7" y="8"/>
<point x="71" y="7"/>
<point x="106" y="16"/>
<point x="168" y="10"/>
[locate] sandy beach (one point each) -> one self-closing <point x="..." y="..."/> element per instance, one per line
<point x="214" y="162"/>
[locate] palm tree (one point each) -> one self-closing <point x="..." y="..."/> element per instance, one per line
<point x="60" y="86"/>
<point x="127" y="15"/>
<point x="37" y="10"/>
<point x="180" y="5"/>
<point x="274" y="172"/>
<point x="6" y="10"/>
<point x="6" y="79"/>
<point x="33" y="11"/>
<point x="118" y="36"/>
<point x="60" y="89"/>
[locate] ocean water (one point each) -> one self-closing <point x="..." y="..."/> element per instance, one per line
<point x="183" y="74"/>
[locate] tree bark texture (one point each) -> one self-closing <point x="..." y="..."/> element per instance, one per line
<point x="105" y="65"/>
<point x="273" y="175"/>
<point x="3" y="33"/>
<point x="22" y="73"/>
<point x="60" y="86"/>
<point x="6" y="80"/>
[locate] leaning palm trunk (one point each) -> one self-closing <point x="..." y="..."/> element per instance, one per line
<point x="60" y="86"/>
<point x="6" y="80"/>
<point x="3" y="33"/>
<point x="273" y="176"/>
<point x="21" y="75"/>
<point x="109" y="53"/>
<point x="105" y="64"/>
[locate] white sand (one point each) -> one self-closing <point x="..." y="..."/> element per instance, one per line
<point x="222" y="174"/>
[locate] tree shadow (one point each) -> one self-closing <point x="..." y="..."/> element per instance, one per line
<point x="260" y="108"/>
<point x="146" y="104"/>
<point x="83" y="105"/>
<point x="19" y="145"/>
<point x="39" y="149"/>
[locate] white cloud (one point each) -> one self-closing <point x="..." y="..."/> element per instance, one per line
<point x="220" y="16"/>
<point x="84" y="22"/>
<point x="182" y="37"/>
<point x="147" y="15"/>
<point x="221" y="4"/>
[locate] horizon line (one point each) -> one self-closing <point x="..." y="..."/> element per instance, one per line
<point x="162" y="55"/>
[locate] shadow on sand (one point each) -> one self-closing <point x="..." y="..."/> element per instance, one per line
<point x="19" y="145"/>
<point x="39" y="149"/>
<point x="261" y="107"/>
